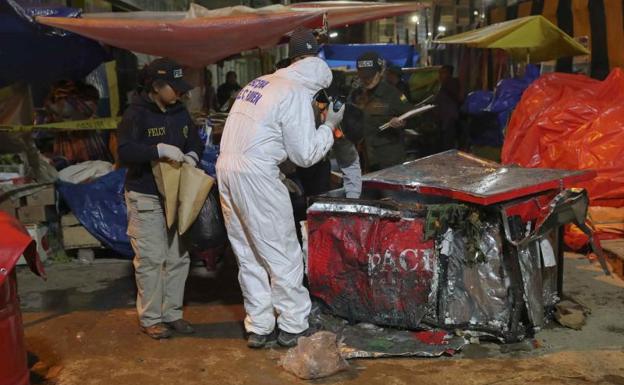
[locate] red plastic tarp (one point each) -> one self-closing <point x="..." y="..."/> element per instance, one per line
<point x="193" y="42"/>
<point x="573" y="122"/>
<point x="342" y="13"/>
<point x="202" y="37"/>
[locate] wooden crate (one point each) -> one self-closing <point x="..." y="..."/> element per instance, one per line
<point x="76" y="236"/>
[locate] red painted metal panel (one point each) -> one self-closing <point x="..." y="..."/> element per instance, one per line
<point x="372" y="268"/>
<point x="14" y="242"/>
<point x="13" y="364"/>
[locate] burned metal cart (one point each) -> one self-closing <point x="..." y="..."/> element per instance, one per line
<point x="449" y="241"/>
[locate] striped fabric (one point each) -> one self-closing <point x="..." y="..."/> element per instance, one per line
<point x="601" y="21"/>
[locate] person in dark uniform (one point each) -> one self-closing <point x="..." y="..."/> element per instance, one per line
<point x="448" y="101"/>
<point x="157" y="126"/>
<point x="394" y="76"/>
<point x="381" y="103"/>
<point x="227" y="91"/>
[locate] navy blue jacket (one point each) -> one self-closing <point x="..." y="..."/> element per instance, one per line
<point x="142" y="127"/>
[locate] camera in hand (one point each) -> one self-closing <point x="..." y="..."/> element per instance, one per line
<point x="339" y="101"/>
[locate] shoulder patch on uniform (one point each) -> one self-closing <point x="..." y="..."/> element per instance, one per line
<point x="403" y="98"/>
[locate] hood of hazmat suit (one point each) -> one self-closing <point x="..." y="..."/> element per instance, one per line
<point x="271" y="120"/>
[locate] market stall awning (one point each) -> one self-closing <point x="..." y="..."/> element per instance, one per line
<point x="532" y="37"/>
<point x="342" y="13"/>
<point x="195" y="41"/>
<point x="201" y="36"/>
<point x="30" y="53"/>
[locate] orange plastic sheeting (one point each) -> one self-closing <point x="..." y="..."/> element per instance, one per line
<point x="524" y="9"/>
<point x="607" y="219"/>
<point x="194" y="42"/>
<point x="615" y="40"/>
<point x="573" y="122"/>
<point x="606" y="222"/>
<point x="498" y="15"/>
<point x="550" y="10"/>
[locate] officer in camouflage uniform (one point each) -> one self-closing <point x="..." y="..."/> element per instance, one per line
<point x="381" y="102"/>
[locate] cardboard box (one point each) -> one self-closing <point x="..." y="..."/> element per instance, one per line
<point x="36" y="214"/>
<point x="45" y="197"/>
<point x="77" y="237"/>
<point x="40" y="234"/>
<point x="9" y="206"/>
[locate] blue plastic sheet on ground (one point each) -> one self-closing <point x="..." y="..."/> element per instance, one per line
<point x="501" y="103"/>
<point x="34" y="53"/>
<point x="101" y="209"/>
<point x="345" y="55"/>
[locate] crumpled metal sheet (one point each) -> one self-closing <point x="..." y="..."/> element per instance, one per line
<point x="464" y="177"/>
<point x="366" y="340"/>
<point x="530" y="267"/>
<point x="475" y="296"/>
<point x="352" y="208"/>
<point x="550" y="293"/>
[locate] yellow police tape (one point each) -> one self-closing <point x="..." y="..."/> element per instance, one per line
<point x="74" y="125"/>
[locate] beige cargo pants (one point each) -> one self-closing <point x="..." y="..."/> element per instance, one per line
<point x="161" y="265"/>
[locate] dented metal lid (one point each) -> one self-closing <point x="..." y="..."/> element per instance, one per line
<point x="465" y="177"/>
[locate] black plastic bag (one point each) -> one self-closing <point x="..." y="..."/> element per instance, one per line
<point x="208" y="230"/>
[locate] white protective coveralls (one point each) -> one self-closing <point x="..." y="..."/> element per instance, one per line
<point x="271" y="120"/>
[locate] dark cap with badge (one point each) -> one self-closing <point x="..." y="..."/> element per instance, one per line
<point x="169" y="71"/>
<point x="369" y="63"/>
<point x="302" y="43"/>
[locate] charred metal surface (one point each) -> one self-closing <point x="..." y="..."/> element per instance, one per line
<point x="367" y="266"/>
<point x="468" y="178"/>
<point x="475" y="296"/>
<point x="449" y="241"/>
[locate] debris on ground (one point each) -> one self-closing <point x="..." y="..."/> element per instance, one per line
<point x="571" y="314"/>
<point x="527" y="345"/>
<point x="365" y="340"/>
<point x="316" y="356"/>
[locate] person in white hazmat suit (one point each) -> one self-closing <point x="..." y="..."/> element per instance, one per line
<point x="270" y="121"/>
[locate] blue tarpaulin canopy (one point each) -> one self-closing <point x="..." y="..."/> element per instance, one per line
<point x="33" y="53"/>
<point x="345" y="55"/>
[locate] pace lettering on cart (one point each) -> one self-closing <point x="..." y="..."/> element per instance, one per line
<point x="407" y="260"/>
